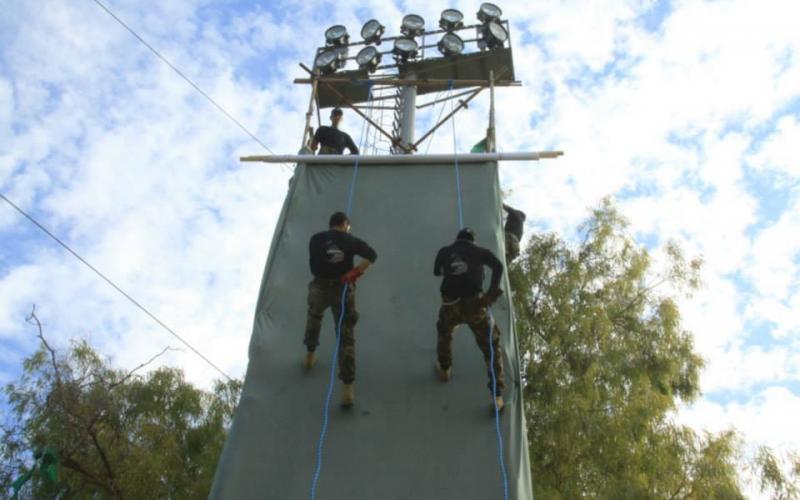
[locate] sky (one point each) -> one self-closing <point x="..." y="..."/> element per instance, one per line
<point x="687" y="113"/>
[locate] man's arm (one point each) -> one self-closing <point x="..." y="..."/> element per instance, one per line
<point x="349" y="144"/>
<point x="315" y="141"/>
<point x="437" y="264"/>
<point x="496" y="266"/>
<point x="366" y="252"/>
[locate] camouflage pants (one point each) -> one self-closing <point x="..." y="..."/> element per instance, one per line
<point x="323" y="294"/>
<point x="327" y="150"/>
<point x="512" y="247"/>
<point x="476" y="316"/>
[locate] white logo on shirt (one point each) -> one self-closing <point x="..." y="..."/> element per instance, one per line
<point x="333" y="254"/>
<point x="458" y="266"/>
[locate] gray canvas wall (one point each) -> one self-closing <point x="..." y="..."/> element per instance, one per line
<point x="409" y="436"/>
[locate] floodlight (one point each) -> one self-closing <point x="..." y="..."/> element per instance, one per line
<point x="489" y="12"/>
<point x="372" y="31"/>
<point x="336" y="35"/>
<point x="327" y="62"/>
<point x="494" y="35"/>
<point x="413" y="25"/>
<point x="451" y="45"/>
<point x="405" y="48"/>
<point x="368" y="58"/>
<point x="451" y="19"/>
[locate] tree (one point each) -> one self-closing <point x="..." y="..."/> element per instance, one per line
<point x="115" y="433"/>
<point x="605" y="362"/>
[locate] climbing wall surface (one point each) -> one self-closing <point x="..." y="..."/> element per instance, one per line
<point x="409" y="435"/>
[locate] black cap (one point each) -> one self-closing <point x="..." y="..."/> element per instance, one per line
<point x="466" y="234"/>
<point x="337" y="111"/>
<point x="337" y="219"/>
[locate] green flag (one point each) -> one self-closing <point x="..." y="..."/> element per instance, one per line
<point x="480" y="147"/>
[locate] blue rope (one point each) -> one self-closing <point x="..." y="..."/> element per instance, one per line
<point x="500" y="452"/>
<point x="328" y="397"/>
<point x="329" y="394"/>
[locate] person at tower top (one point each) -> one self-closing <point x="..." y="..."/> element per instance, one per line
<point x="332" y="140"/>
<point x="463" y="301"/>
<point x="331" y="255"/>
<point x="515" y="224"/>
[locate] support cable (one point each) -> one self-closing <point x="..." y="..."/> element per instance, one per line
<point x="115" y="286"/>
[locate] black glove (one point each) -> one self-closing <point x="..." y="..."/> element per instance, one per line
<point x="491" y="297"/>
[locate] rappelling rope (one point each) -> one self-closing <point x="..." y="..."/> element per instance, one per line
<point x="500" y="452"/>
<point x="329" y="393"/>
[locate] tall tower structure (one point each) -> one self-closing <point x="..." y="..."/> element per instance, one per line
<point x="409" y="436"/>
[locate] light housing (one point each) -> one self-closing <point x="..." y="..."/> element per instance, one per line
<point x="327" y="62"/>
<point x="372" y="31"/>
<point x="336" y="35"/>
<point x="412" y="25"/>
<point x="405" y="48"/>
<point x="494" y="35"/>
<point x="451" y="45"/>
<point x="368" y="58"/>
<point x="451" y="19"/>
<point x="489" y="12"/>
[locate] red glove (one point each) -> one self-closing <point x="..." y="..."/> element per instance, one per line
<point x="351" y="276"/>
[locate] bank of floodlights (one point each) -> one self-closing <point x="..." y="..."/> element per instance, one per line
<point x="489" y="12"/>
<point x="493" y="35"/>
<point x="372" y="31"/>
<point x="451" y="19"/>
<point x="368" y="58"/>
<point x="451" y="45"/>
<point x="336" y="36"/>
<point x="412" y="25"/>
<point x="405" y="49"/>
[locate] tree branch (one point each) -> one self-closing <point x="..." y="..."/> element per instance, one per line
<point x="34" y="320"/>
<point x="132" y="372"/>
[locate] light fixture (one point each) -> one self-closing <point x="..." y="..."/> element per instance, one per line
<point x="372" y="31"/>
<point x="336" y="35"/>
<point x="451" y="19"/>
<point x="405" y="48"/>
<point x="489" y="12"/>
<point x="494" y="35"/>
<point x="368" y="58"/>
<point x="451" y="45"/>
<point x="412" y="25"/>
<point x="327" y="62"/>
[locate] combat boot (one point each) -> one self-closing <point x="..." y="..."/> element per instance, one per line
<point x="444" y="375"/>
<point x="498" y="403"/>
<point x="348" y="396"/>
<point x="311" y="358"/>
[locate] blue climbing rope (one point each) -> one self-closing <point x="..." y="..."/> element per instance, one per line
<point x="329" y="394"/>
<point x="500" y="452"/>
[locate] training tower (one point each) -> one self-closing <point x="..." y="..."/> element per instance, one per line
<point x="409" y="436"/>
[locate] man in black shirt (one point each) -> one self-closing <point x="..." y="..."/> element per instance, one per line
<point x="515" y="222"/>
<point x="462" y="265"/>
<point x="331" y="256"/>
<point x="332" y="139"/>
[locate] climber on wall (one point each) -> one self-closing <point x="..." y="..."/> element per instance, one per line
<point x="333" y="140"/>
<point x="515" y="222"/>
<point x="331" y="256"/>
<point x="463" y="301"/>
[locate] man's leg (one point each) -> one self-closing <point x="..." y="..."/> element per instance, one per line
<point x="512" y="247"/>
<point x="347" y="346"/>
<point x="448" y="321"/>
<point x="317" y="303"/>
<point x="479" y="322"/>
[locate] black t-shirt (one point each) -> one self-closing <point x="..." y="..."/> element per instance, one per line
<point x="515" y="221"/>
<point x="461" y="264"/>
<point x="331" y="253"/>
<point x="335" y="138"/>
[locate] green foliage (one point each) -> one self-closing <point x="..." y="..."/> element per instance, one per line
<point x="779" y="476"/>
<point x="605" y="362"/>
<point x="117" y="434"/>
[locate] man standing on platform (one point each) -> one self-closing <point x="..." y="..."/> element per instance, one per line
<point x="463" y="301"/>
<point x="331" y="256"/>
<point x="333" y="140"/>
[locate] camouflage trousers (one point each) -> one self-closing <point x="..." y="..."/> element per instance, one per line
<point x="327" y="150"/>
<point x="323" y="294"/>
<point x="512" y="247"/>
<point x="476" y="316"/>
